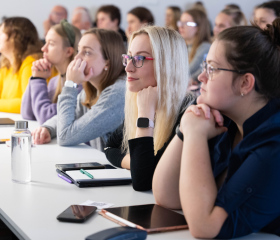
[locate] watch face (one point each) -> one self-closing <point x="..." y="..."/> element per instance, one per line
<point x="143" y="122"/>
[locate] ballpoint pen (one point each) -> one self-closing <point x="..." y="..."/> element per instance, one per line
<point x="86" y="173"/>
<point x="64" y="178"/>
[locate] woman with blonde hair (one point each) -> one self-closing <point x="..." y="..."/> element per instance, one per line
<point x="98" y="110"/>
<point x="19" y="47"/>
<point x="195" y="29"/>
<point x="157" y="70"/>
<point x="40" y="100"/>
<point x="227" y="18"/>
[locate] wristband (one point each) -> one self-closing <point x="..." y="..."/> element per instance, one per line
<point x="179" y="133"/>
<point x="32" y="78"/>
<point x="69" y="83"/>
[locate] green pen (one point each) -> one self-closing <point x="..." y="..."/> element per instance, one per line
<point x="86" y="173"/>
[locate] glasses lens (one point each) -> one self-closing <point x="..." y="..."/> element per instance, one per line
<point x="125" y="59"/>
<point x="203" y="66"/>
<point x="191" y="24"/>
<point x="138" y="61"/>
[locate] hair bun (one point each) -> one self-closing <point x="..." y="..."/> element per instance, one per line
<point x="273" y="31"/>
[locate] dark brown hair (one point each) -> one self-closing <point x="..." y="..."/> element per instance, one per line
<point x="112" y="48"/>
<point x="273" y="5"/>
<point x="203" y="30"/>
<point x="113" y="11"/>
<point x="24" y="36"/>
<point x="144" y="15"/>
<point x="250" y="49"/>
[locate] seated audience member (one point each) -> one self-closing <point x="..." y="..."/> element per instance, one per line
<point x="137" y="18"/>
<point x="266" y="13"/>
<point x="40" y="100"/>
<point x="223" y="169"/>
<point x="81" y="19"/>
<point x="194" y="28"/>
<point x="19" y="47"/>
<point x="57" y="14"/>
<point x="157" y="70"/>
<point x="109" y="17"/>
<point x="99" y="109"/>
<point x="172" y="16"/>
<point x="229" y="18"/>
<point x="200" y="6"/>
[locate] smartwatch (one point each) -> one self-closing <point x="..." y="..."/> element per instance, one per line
<point x="69" y="83"/>
<point x="145" y="123"/>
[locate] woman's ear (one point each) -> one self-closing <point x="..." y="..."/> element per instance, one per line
<point x="70" y="51"/>
<point x="247" y="83"/>
<point x="107" y="64"/>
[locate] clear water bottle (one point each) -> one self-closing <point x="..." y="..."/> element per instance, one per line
<point x="21" y="152"/>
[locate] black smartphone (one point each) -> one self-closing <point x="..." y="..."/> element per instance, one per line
<point x="76" y="213"/>
<point x="78" y="166"/>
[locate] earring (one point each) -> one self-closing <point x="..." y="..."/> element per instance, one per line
<point x="242" y="94"/>
<point x="105" y="68"/>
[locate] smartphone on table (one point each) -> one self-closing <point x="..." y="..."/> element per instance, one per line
<point x="78" y="166"/>
<point x="76" y="213"/>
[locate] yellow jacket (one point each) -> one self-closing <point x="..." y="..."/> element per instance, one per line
<point x="13" y="85"/>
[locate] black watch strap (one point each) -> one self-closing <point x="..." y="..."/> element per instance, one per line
<point x="179" y="133"/>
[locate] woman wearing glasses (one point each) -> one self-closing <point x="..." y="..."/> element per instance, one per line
<point x="157" y="70"/>
<point x="93" y="114"/>
<point x="195" y="29"/>
<point x="223" y="169"/>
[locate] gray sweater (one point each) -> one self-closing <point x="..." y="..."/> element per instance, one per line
<point x="75" y="123"/>
<point x="195" y="64"/>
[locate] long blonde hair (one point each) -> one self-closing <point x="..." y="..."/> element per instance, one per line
<point x="171" y="73"/>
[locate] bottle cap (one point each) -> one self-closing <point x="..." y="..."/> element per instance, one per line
<point x="21" y="124"/>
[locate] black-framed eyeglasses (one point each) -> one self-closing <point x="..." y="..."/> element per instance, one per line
<point x="210" y="70"/>
<point x="137" y="60"/>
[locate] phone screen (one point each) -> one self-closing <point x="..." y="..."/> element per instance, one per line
<point x="76" y="213"/>
<point x="77" y="166"/>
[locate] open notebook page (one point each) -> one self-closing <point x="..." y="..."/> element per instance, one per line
<point x="101" y="174"/>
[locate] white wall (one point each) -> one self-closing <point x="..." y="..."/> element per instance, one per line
<point x="38" y="10"/>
